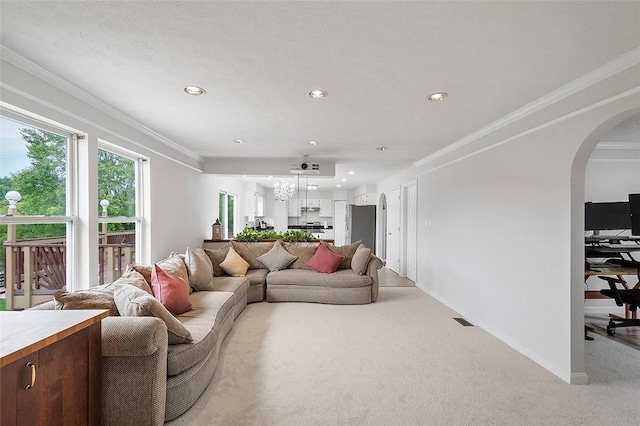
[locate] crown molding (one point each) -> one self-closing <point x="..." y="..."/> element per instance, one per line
<point x="626" y="61"/>
<point x="67" y="87"/>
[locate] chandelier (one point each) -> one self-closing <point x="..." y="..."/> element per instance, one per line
<point x="284" y="191"/>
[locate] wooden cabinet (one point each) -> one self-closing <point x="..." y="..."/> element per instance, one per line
<point x="50" y="367"/>
<point x="365" y="199"/>
<point x="326" y="209"/>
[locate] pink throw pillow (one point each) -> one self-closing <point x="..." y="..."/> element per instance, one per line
<point x="170" y="290"/>
<point x="324" y="260"/>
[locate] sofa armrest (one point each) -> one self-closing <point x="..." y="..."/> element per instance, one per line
<point x="375" y="263"/>
<point x="134" y="370"/>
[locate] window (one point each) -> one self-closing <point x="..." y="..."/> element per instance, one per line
<point x="118" y="206"/>
<point x="34" y="186"/>
<point x="226" y="212"/>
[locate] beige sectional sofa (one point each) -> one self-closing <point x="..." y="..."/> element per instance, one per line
<point x="147" y="381"/>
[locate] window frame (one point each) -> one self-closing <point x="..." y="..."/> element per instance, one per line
<point x="71" y="192"/>
<point x="225" y="208"/>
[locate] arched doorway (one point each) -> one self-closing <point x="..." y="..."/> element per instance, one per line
<point x="578" y="178"/>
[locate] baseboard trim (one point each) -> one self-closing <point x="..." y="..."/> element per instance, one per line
<point x="550" y="366"/>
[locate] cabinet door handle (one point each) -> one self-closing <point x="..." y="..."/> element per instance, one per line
<point x="32" y="383"/>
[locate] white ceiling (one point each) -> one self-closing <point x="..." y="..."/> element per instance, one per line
<point x="378" y="61"/>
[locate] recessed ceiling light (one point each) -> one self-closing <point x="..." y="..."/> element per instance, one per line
<point x="194" y="90"/>
<point x="350" y="172"/>
<point x="344" y="180"/>
<point x="382" y="148"/>
<point x="338" y="185"/>
<point x="318" y="93"/>
<point x="437" y="96"/>
<point x="244" y="175"/>
<point x="314" y="143"/>
<point x="239" y="141"/>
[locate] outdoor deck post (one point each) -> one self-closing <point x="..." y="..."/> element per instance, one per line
<point x="12" y="197"/>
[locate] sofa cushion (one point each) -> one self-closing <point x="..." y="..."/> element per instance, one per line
<point x="217" y="256"/>
<point x="277" y="258"/>
<point x="251" y="251"/>
<point x="342" y="278"/>
<point x="360" y="259"/>
<point x="257" y="276"/>
<point x="303" y="252"/>
<point x="236" y="285"/>
<point x="170" y="290"/>
<point x="324" y="260"/>
<point x="99" y="297"/>
<point x="204" y="322"/>
<point x="234" y="264"/>
<point x="347" y="251"/>
<point x="133" y="302"/>
<point x="199" y="267"/>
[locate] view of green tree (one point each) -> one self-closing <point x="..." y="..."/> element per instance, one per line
<point x="42" y="185"/>
<point x="116" y="183"/>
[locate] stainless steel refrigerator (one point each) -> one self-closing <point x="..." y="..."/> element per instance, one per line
<point x="361" y="225"/>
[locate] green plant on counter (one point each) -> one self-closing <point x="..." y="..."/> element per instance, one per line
<point x="293" y="235"/>
<point x="296" y="235"/>
<point x="248" y="235"/>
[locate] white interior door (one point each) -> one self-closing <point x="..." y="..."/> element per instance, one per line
<point x="410" y="231"/>
<point x="393" y="230"/>
<point x="339" y="222"/>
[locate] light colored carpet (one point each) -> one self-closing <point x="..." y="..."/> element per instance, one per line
<point x="400" y="361"/>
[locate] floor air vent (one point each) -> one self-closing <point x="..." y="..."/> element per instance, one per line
<point x="464" y="322"/>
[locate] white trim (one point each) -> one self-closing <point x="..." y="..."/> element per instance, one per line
<point x="119" y="219"/>
<point x="62" y="84"/>
<point x="617" y="160"/>
<point x="575" y="113"/>
<point x="618" y="145"/>
<point x="35" y="219"/>
<point x="567" y="376"/>
<point x="607" y="70"/>
<point x="7" y="106"/>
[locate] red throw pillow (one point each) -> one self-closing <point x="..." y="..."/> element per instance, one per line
<point x="170" y="290"/>
<point x="324" y="260"/>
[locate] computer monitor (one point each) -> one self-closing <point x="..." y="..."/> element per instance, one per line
<point x="634" y="208"/>
<point x="607" y="216"/>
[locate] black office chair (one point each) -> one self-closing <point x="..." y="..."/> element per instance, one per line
<point x="621" y="296"/>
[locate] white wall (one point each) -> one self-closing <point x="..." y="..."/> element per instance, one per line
<point x="505" y="247"/>
<point x="209" y="190"/>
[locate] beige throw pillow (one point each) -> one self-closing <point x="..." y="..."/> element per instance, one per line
<point x="217" y="256"/>
<point x="174" y="264"/>
<point x="277" y="258"/>
<point x="234" y="264"/>
<point x="251" y="251"/>
<point x="133" y="302"/>
<point x="360" y="259"/>
<point x="199" y="267"/>
<point x="100" y="297"/>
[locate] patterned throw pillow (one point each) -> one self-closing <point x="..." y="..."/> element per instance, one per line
<point x="133" y="302"/>
<point x="324" y="260"/>
<point x="199" y="267"/>
<point x="360" y="259"/>
<point x="234" y="264"/>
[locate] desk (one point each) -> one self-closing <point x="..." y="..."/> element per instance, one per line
<point x="611" y="250"/>
<point x="618" y="272"/>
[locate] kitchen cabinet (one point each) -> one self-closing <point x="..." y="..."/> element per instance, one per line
<point x="366" y="199"/>
<point x="326" y="209"/>
<point x="50" y="367"/>
<point x="254" y="203"/>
